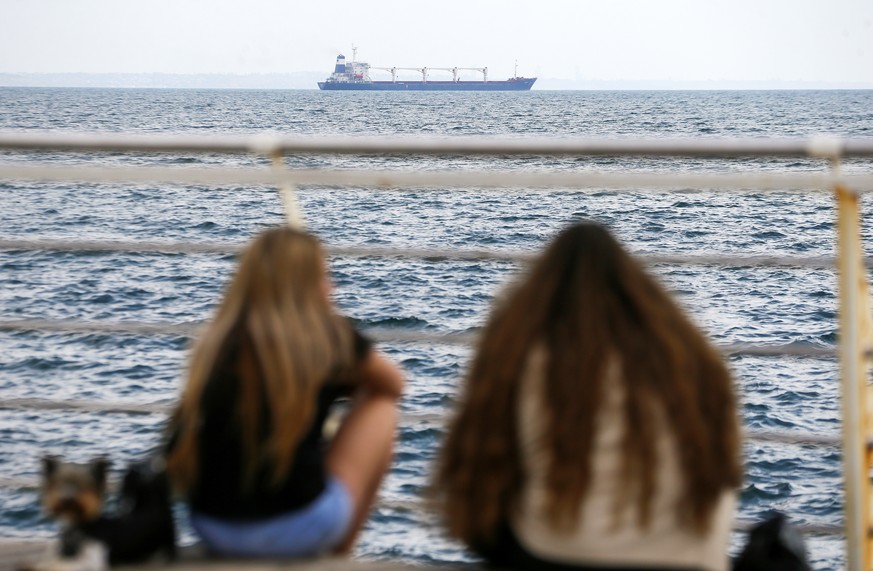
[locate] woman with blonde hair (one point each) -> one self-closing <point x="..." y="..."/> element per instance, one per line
<point x="246" y="446"/>
<point x="598" y="427"/>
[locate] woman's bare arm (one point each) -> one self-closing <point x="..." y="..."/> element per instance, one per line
<point x="379" y="375"/>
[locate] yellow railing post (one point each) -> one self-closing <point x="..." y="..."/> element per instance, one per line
<point x="856" y="345"/>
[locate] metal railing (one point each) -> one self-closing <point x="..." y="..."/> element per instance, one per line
<point x="856" y="327"/>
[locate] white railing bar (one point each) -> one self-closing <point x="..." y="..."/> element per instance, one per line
<point x="815" y="262"/>
<point x="129" y="247"/>
<point x="803" y="528"/>
<point x="742" y="349"/>
<point x="820" y="262"/>
<point x="749" y="350"/>
<point x="785" y="437"/>
<point x="383" y="336"/>
<point x="271" y="143"/>
<point x="84" y="406"/>
<point x="439" y="180"/>
<point x="406" y="418"/>
<point x="132" y="327"/>
<point x="422" y="506"/>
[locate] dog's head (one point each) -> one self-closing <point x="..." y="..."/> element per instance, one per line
<point x="71" y="492"/>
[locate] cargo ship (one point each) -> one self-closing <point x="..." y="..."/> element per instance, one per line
<point x="355" y="76"/>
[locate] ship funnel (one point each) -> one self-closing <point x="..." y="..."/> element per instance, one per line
<point x="340" y="64"/>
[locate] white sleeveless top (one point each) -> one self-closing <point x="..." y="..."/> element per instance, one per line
<point x="600" y="537"/>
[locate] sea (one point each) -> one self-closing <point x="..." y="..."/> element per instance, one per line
<point x="791" y="307"/>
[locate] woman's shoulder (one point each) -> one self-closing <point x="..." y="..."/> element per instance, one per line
<point x="361" y="344"/>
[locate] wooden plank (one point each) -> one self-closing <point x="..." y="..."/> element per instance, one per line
<point x="13" y="553"/>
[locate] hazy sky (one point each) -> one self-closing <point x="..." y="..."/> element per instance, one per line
<point x="686" y="40"/>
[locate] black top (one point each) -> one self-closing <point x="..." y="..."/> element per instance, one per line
<point x="220" y="490"/>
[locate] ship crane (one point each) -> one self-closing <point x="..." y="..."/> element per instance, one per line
<point x="482" y="70"/>
<point x="394" y="70"/>
<point x="423" y="71"/>
<point x="454" y="71"/>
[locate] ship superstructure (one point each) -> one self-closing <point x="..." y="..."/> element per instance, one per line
<point x="355" y="76"/>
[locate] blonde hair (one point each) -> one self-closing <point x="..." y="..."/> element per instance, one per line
<point x="288" y="339"/>
<point x="587" y="301"/>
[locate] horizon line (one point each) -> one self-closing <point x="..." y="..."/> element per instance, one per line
<point x="305" y="80"/>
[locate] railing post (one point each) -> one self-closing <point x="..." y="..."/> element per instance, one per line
<point x="288" y="194"/>
<point x="854" y="350"/>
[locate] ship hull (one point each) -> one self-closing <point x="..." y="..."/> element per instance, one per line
<point x="520" y="84"/>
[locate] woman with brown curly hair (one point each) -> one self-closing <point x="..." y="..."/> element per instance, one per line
<point x="597" y="428"/>
<point x="247" y="449"/>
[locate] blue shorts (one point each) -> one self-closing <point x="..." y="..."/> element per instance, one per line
<point x="309" y="531"/>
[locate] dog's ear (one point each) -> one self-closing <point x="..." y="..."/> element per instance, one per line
<point x="99" y="468"/>
<point x="50" y="465"/>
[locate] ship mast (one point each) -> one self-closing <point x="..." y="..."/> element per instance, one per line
<point x="354" y="53"/>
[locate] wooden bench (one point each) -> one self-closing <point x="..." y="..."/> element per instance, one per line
<point x="13" y="553"/>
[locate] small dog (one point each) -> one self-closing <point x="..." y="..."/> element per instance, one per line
<point x="90" y="540"/>
<point x="73" y="495"/>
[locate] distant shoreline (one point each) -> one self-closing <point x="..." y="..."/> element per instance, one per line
<point x="307" y="80"/>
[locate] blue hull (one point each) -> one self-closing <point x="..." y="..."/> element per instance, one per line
<point x="520" y="84"/>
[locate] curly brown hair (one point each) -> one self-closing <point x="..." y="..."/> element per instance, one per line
<point x="587" y="301"/>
